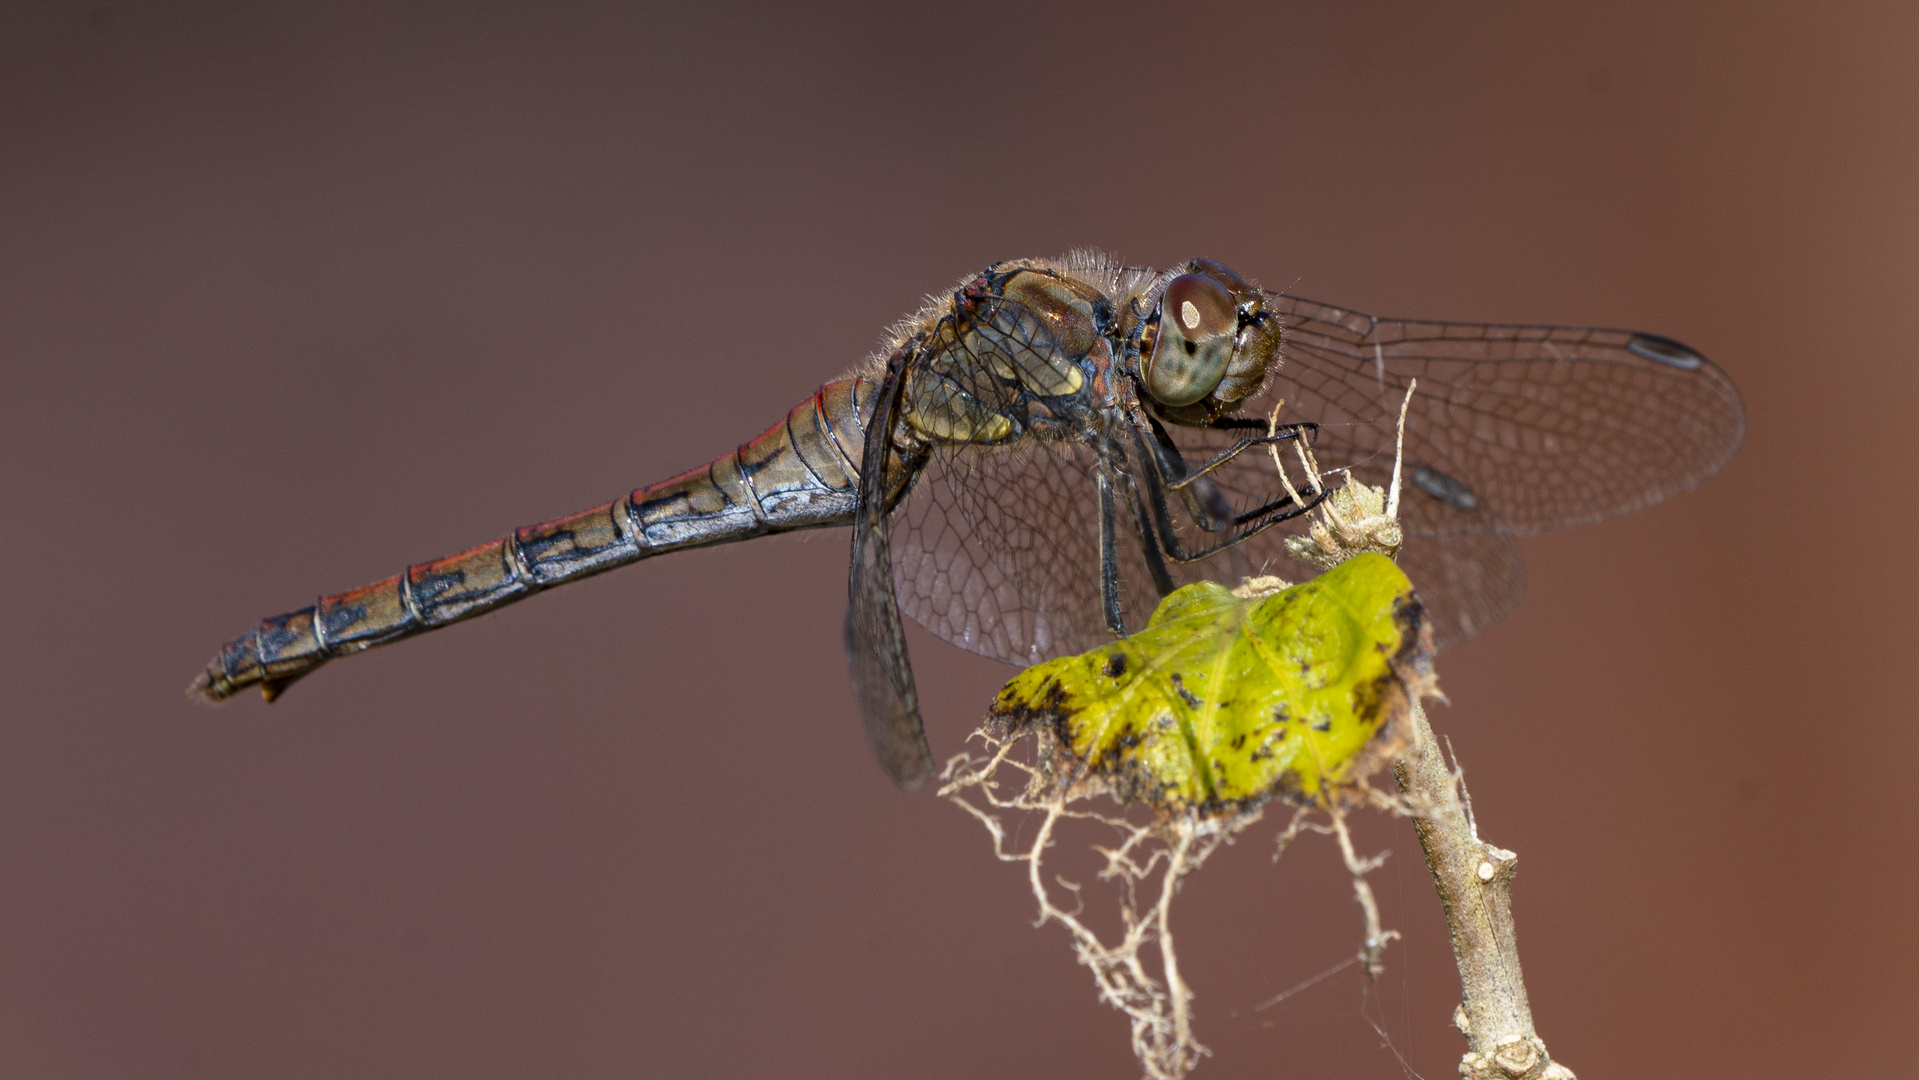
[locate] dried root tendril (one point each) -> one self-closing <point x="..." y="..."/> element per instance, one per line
<point x="1373" y="949"/>
<point x="1147" y="862"/>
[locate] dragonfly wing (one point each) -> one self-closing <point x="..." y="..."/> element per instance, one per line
<point x="999" y="551"/>
<point x="1512" y="430"/>
<point x="1465" y="583"/>
<point x="875" y="638"/>
<point x="1518" y="429"/>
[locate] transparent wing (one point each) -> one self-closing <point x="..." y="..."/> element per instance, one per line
<point x="875" y="639"/>
<point x="1512" y="430"/>
<point x="1467" y="583"/>
<point x="999" y="551"/>
<point x="1517" y="429"/>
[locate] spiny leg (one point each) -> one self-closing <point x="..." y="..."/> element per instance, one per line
<point x="1143" y="531"/>
<point x="1289" y="431"/>
<point x="1108" y="556"/>
<point x="1253" y="521"/>
<point x="1203" y="499"/>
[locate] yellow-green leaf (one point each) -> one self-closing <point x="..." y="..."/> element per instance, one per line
<point x="1222" y="701"/>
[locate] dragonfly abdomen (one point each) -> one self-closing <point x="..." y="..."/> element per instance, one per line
<point x="801" y="473"/>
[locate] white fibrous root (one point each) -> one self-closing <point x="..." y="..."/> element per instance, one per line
<point x="1372" y="950"/>
<point x="1147" y="861"/>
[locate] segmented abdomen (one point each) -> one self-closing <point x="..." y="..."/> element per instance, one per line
<point x="801" y="473"/>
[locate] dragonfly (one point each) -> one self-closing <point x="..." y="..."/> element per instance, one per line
<point x="1037" y="456"/>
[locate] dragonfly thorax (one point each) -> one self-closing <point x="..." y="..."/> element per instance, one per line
<point x="1017" y="349"/>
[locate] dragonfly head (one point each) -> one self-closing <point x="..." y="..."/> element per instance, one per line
<point x="1210" y="338"/>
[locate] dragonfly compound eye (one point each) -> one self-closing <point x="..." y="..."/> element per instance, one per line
<point x="1197" y="327"/>
<point x="1219" y="272"/>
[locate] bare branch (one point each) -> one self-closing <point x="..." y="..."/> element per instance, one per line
<point x="1474" y="879"/>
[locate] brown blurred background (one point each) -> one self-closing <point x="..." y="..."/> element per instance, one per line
<point x="291" y="296"/>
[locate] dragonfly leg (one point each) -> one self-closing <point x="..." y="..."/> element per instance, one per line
<point x="1203" y="499"/>
<point x="1285" y="432"/>
<point x="1108" y="557"/>
<point x="1143" y="531"/>
<point x="1246" y="525"/>
<point x="1255" y="522"/>
<point x="1204" y="502"/>
<point x="1248" y="423"/>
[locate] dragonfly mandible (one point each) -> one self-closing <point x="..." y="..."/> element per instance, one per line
<point x="1037" y="456"/>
